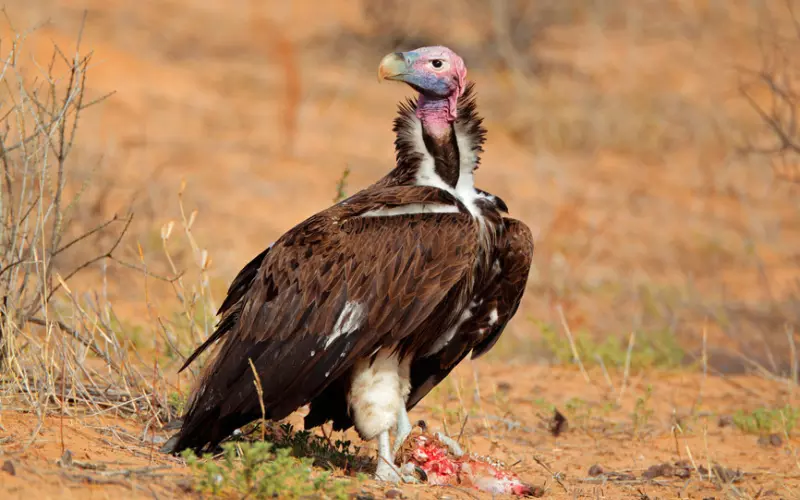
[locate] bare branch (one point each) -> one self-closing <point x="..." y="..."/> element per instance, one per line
<point x="77" y="336"/>
<point x="779" y="116"/>
<point x="98" y="258"/>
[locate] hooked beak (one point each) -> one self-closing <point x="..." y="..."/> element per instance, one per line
<point x="392" y="67"/>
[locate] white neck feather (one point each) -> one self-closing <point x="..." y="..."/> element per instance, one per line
<point x="427" y="176"/>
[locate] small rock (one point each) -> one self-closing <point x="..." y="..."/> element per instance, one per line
<point x="683" y="472"/>
<point x="153" y="438"/>
<point x="394" y="493"/>
<point x="503" y="386"/>
<point x="652" y="472"/>
<point x="596" y="470"/>
<point x="725" y="421"/>
<point x="662" y="470"/>
<point x="683" y="469"/>
<point x="363" y="496"/>
<point x="8" y="467"/>
<point x="726" y="475"/>
<point x="771" y="440"/>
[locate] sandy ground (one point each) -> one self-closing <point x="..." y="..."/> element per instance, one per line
<point x="508" y="420"/>
<point x="621" y="155"/>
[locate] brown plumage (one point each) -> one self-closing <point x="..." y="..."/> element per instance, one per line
<point x="362" y="308"/>
<point x="406" y="269"/>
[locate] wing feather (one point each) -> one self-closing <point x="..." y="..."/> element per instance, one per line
<point x="497" y="301"/>
<point x="516" y="264"/>
<point x="402" y="270"/>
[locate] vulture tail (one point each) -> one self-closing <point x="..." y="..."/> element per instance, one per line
<point x="205" y="427"/>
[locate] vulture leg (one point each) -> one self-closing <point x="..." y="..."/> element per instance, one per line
<point x="402" y="430"/>
<point x="386" y="470"/>
<point x="376" y="398"/>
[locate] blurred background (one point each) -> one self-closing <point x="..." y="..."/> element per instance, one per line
<point x="640" y="139"/>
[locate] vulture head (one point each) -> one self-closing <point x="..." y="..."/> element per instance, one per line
<point x="437" y="73"/>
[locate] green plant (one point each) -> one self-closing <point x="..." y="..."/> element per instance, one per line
<point x="323" y="452"/>
<point x="766" y="420"/>
<point x="176" y="402"/>
<point x="544" y="405"/>
<point x="257" y="470"/>
<point x="651" y="350"/>
<point x="642" y="411"/>
<point x="583" y="414"/>
<point x="341" y="186"/>
<point x="579" y="412"/>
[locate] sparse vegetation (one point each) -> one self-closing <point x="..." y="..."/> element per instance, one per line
<point x="49" y="332"/>
<point x="323" y="451"/>
<point x="763" y="421"/>
<point x="642" y="412"/>
<point x="653" y="350"/>
<point x="254" y="470"/>
<point x="341" y="186"/>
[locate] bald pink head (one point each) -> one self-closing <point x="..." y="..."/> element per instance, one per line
<point x="437" y="73"/>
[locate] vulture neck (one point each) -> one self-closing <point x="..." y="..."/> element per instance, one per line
<point x="439" y="137"/>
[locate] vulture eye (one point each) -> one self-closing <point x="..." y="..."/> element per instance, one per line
<point x="437" y="64"/>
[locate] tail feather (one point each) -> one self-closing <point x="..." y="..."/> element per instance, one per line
<point x="203" y="427"/>
<point x="171" y="446"/>
<point x="205" y="432"/>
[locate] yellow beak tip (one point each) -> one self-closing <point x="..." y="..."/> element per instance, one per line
<point x="391" y="65"/>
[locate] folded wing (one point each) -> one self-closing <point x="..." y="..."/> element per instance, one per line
<point x="493" y="304"/>
<point x="331" y="291"/>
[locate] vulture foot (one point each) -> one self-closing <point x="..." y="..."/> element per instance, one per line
<point x="386" y="470"/>
<point x="390" y="474"/>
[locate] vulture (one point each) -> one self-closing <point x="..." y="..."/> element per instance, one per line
<point x="361" y="309"/>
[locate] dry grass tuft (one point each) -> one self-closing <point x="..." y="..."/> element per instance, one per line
<point x="58" y="352"/>
<point x="64" y="353"/>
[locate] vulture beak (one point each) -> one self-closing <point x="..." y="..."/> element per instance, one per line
<point x="392" y="67"/>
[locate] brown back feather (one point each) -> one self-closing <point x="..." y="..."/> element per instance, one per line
<point x="406" y="271"/>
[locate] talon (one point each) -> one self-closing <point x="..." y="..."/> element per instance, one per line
<point x="407" y="469"/>
<point x="423" y="476"/>
<point x="413" y="473"/>
<point x="387" y="473"/>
